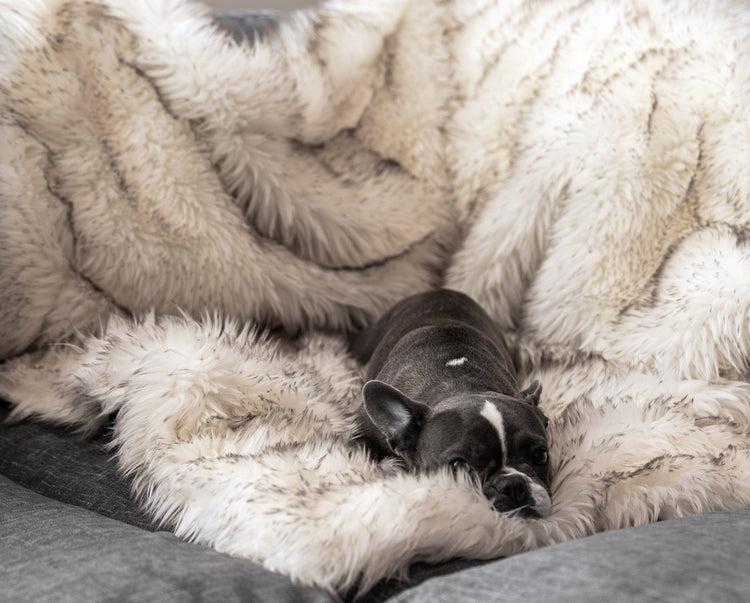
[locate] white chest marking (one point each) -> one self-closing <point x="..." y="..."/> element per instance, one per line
<point x="456" y="361"/>
<point x="492" y="414"/>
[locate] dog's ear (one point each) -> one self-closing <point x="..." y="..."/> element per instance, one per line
<point x="398" y="417"/>
<point x="531" y="394"/>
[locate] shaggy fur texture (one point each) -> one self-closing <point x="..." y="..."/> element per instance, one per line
<point x="591" y="161"/>
<point x="151" y="163"/>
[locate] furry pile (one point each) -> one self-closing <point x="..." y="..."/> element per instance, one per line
<point x="581" y="168"/>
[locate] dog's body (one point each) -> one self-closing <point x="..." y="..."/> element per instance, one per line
<point x="442" y="391"/>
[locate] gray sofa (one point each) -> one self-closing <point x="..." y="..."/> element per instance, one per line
<point x="70" y="531"/>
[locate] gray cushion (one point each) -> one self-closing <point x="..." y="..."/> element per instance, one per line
<point x="66" y="466"/>
<point x="699" y="558"/>
<point x="52" y="551"/>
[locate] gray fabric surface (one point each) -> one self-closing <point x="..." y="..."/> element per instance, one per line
<point x="247" y="26"/>
<point x="50" y="551"/>
<point x="66" y="466"/>
<point x="700" y="558"/>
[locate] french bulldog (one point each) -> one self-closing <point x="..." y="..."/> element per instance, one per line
<point x="442" y="390"/>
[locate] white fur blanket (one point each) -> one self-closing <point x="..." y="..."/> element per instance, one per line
<point x="580" y="168"/>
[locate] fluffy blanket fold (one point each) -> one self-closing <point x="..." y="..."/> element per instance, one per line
<point x="581" y="168"/>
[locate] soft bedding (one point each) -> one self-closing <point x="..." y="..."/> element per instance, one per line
<point x="192" y="220"/>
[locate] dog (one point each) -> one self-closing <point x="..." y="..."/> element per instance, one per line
<point x="441" y="390"/>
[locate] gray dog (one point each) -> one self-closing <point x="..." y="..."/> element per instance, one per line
<point x="442" y="391"/>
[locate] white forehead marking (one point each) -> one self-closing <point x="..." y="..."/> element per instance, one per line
<point x="456" y="361"/>
<point x="492" y="414"/>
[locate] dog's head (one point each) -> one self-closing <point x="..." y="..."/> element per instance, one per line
<point x="499" y="440"/>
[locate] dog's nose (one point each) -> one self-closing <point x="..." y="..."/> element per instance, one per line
<point x="509" y="492"/>
<point x="513" y="486"/>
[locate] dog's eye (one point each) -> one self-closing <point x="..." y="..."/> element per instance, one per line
<point x="540" y="457"/>
<point x="457" y="465"/>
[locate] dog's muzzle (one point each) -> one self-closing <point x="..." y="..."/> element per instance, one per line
<point x="515" y="491"/>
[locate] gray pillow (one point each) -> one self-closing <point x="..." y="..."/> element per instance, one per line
<point x="699" y="558"/>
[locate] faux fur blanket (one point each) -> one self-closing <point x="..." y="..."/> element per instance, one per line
<point x="582" y="168"/>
